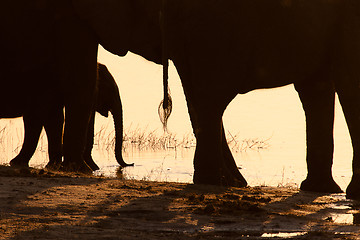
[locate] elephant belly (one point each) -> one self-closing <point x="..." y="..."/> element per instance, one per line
<point x="261" y="43"/>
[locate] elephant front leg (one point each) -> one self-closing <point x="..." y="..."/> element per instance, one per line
<point x="318" y="104"/>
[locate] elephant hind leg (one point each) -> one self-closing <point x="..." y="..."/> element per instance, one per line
<point x="77" y="119"/>
<point x="33" y="127"/>
<point x="349" y="96"/>
<point x="213" y="161"/>
<point x="89" y="144"/>
<point x="54" y="131"/>
<point x="318" y="104"/>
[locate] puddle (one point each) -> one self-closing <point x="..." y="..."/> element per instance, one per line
<point x="344" y="212"/>
<point x="346" y="218"/>
<point x="283" y="234"/>
<point x="342" y="218"/>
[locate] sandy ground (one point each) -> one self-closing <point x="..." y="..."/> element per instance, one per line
<point x="35" y="204"/>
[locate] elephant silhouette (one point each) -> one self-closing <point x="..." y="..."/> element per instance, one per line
<point x="224" y="48"/>
<point x="107" y="100"/>
<point x="219" y="48"/>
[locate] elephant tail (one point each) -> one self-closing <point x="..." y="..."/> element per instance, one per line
<point x="165" y="106"/>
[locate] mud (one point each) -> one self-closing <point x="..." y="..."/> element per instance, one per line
<point x="37" y="204"/>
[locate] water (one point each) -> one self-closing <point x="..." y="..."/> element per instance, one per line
<point x="283" y="235"/>
<point x="274" y="114"/>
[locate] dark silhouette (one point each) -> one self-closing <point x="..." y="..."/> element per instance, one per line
<point x="220" y="49"/>
<point x="52" y="55"/>
<point x="107" y="100"/>
<point x="223" y="48"/>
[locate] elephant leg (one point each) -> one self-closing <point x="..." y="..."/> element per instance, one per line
<point x="318" y="104"/>
<point x="79" y="102"/>
<point x="89" y="144"/>
<point x="54" y="131"/>
<point x="349" y="96"/>
<point x="208" y="158"/>
<point x="33" y="127"/>
<point x="76" y="67"/>
<point x="213" y="161"/>
<point x="207" y="101"/>
<point x="76" y="123"/>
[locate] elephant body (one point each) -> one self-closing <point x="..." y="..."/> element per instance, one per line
<point x="107" y="100"/>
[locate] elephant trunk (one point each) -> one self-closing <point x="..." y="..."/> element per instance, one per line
<point x="116" y="111"/>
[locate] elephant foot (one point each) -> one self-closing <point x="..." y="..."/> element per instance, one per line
<point x="78" y="167"/>
<point x="232" y="175"/>
<point x="93" y="166"/>
<point x="19" y="163"/>
<point x="223" y="177"/>
<point x="53" y="166"/>
<point x="234" y="181"/>
<point x="206" y="178"/>
<point x="324" y="185"/>
<point x="353" y="190"/>
<point x="90" y="162"/>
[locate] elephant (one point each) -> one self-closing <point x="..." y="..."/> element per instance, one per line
<point x="48" y="39"/>
<point x="49" y="58"/>
<point x="229" y="47"/>
<point x="107" y="100"/>
<point x="220" y="49"/>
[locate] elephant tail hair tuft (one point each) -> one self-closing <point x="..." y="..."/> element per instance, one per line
<point x="165" y="109"/>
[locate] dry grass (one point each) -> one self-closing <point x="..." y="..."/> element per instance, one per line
<point x="139" y="139"/>
<point x="135" y="139"/>
<point x="237" y="145"/>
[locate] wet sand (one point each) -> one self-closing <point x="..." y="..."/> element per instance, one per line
<point x="36" y="204"/>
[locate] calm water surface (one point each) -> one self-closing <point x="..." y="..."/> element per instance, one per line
<point x="273" y="115"/>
